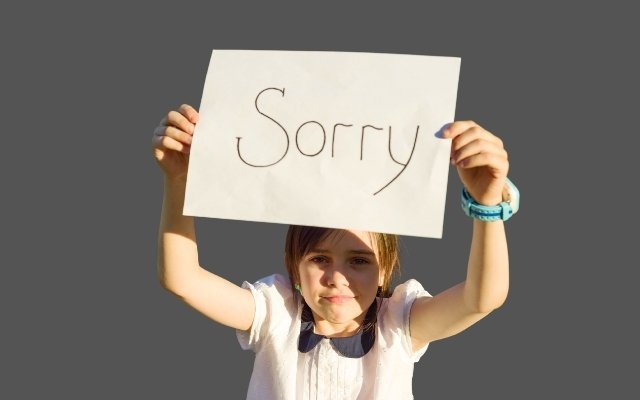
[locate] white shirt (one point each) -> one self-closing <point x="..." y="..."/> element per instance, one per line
<point x="280" y="371"/>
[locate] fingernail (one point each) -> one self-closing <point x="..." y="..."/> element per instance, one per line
<point x="446" y="130"/>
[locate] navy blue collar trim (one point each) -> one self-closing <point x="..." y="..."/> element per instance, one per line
<point x="354" y="346"/>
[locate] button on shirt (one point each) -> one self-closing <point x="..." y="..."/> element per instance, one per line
<point x="281" y="371"/>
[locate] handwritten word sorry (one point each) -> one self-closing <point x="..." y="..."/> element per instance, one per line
<point x="309" y="124"/>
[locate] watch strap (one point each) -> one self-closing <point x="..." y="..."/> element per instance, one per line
<point x="472" y="208"/>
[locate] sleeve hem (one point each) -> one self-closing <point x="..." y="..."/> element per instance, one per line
<point x="249" y="338"/>
<point x="413" y="290"/>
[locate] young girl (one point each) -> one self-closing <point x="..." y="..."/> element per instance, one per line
<point x="331" y="329"/>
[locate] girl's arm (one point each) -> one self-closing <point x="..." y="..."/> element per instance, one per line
<point x="482" y="165"/>
<point x="179" y="270"/>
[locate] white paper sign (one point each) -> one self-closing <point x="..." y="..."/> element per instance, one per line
<point x="341" y="140"/>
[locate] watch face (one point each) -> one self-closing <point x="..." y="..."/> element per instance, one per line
<point x="511" y="194"/>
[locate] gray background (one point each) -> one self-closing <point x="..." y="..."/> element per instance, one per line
<point x="83" y="315"/>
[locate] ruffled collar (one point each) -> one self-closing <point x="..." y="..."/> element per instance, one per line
<point x="354" y="346"/>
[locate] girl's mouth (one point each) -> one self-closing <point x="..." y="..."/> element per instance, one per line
<point x="338" y="299"/>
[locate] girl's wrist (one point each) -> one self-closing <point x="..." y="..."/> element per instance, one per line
<point x="489" y="207"/>
<point x="175" y="180"/>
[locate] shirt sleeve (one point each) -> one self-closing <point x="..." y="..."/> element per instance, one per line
<point x="271" y="295"/>
<point x="399" y="312"/>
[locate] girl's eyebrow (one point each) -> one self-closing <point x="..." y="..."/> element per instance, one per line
<point x="356" y="251"/>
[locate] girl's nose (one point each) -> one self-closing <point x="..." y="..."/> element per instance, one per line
<point x="336" y="276"/>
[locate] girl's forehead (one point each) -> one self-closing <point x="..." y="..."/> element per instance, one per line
<point x="347" y="238"/>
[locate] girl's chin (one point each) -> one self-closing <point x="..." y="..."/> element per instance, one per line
<point x="340" y="316"/>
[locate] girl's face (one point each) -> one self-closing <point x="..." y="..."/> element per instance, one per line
<point x="339" y="280"/>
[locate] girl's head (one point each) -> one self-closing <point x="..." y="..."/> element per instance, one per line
<point x="340" y="271"/>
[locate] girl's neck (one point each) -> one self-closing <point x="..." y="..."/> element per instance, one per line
<point x="335" y="332"/>
<point x="331" y="330"/>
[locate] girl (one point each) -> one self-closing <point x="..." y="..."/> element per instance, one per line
<point x="331" y="330"/>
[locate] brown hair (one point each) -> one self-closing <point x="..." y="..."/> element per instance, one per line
<point x="301" y="239"/>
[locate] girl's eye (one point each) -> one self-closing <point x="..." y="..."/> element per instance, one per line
<point x="361" y="261"/>
<point x="318" y="259"/>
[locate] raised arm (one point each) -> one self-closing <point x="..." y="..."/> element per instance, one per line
<point x="482" y="164"/>
<point x="179" y="270"/>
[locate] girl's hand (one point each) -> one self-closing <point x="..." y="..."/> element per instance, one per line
<point x="171" y="141"/>
<point x="481" y="160"/>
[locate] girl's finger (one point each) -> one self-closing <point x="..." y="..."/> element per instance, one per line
<point x="190" y="113"/>
<point x="478" y="146"/>
<point x="471" y="134"/>
<point x="174" y="118"/>
<point x="456" y="128"/>
<point x="173" y="133"/>
<point x="168" y="143"/>
<point x="493" y="161"/>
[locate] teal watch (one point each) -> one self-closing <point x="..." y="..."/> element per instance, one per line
<point x="502" y="212"/>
